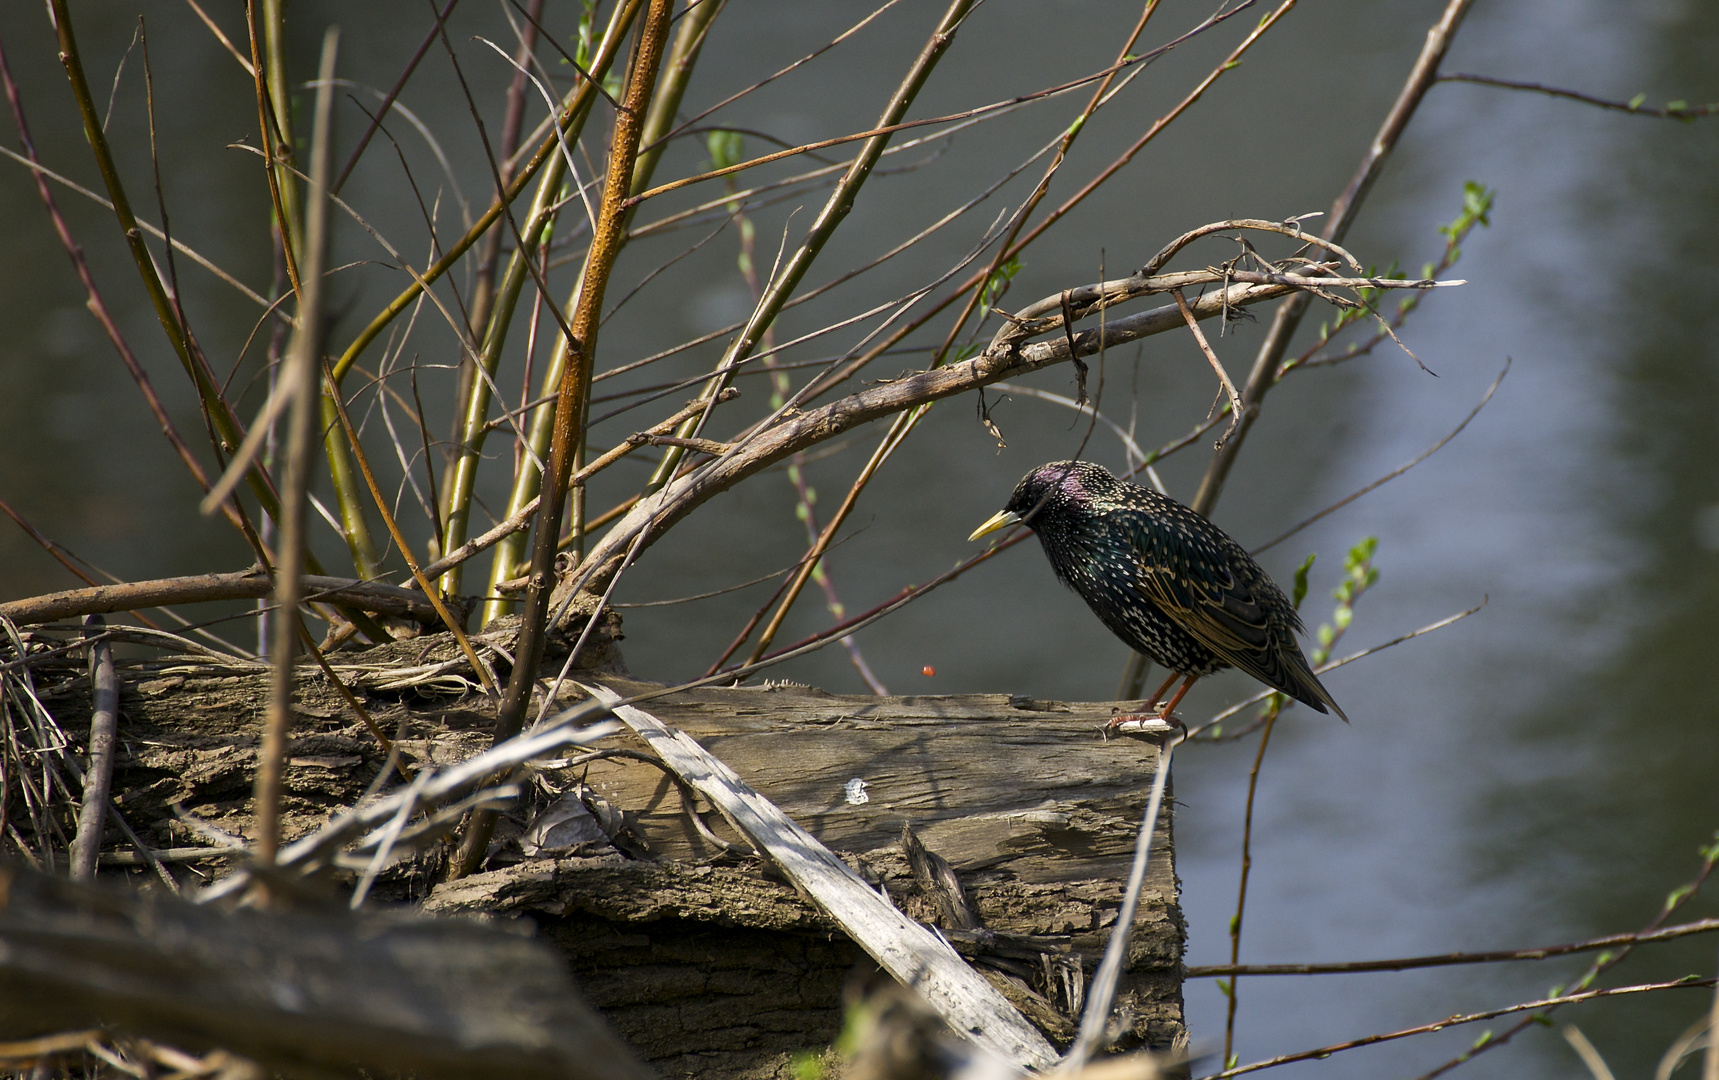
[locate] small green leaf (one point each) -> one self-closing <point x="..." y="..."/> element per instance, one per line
<point x="726" y="148"/>
<point x="1635" y="102"/>
<point x="1485" y="1037"/>
<point x="1678" y="895"/>
<point x="1676" y="106"/>
<point x="1300" y="592"/>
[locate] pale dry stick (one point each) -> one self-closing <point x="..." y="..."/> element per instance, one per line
<point x="1694" y="1040"/>
<point x="916" y="957"/>
<point x="1095" y="1020"/>
<point x="1408" y="963"/>
<point x="390" y="835"/>
<point x="1688" y="982"/>
<point x="580" y="726"/>
<point x="1710" y="1060"/>
<point x="221" y="36"/>
<point x="1586" y="1050"/>
<point x="300" y="377"/>
<point x="98" y="775"/>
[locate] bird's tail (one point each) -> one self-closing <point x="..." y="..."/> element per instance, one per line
<point x="1314" y="695"/>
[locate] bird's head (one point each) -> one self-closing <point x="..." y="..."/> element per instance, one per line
<point x="1049" y="489"/>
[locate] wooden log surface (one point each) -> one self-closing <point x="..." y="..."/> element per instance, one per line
<point x="1028" y="801"/>
<point x="703" y="959"/>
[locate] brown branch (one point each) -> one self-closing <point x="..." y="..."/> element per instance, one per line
<point x="1497" y="956"/>
<point x="796" y="432"/>
<point x="1452" y="1021"/>
<point x="1672" y="110"/>
<point x="252" y="584"/>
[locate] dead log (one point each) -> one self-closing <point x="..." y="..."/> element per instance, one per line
<point x="695" y="953"/>
<point x="314" y="992"/>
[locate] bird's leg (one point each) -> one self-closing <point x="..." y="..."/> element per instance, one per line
<point x="1166" y="714"/>
<point x="1159" y="695"/>
<point x="1150" y="704"/>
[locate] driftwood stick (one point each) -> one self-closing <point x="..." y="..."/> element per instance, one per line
<point x="98" y="775"/>
<point x="907" y="950"/>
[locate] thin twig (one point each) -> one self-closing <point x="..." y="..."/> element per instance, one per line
<point x="1217" y="365"/>
<point x="1406" y="963"/>
<point x="1323" y="1052"/>
<point x="1672" y="111"/>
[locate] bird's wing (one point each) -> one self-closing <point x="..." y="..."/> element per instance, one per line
<point x="1191" y="580"/>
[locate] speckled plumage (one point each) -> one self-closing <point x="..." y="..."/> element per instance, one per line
<point x="1165" y="580"/>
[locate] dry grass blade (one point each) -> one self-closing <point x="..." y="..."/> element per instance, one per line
<point x="916" y="957"/>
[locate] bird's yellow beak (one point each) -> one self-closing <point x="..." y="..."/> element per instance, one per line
<point x="1002" y="519"/>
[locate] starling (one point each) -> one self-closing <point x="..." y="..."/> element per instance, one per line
<point x="1165" y="580"/>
